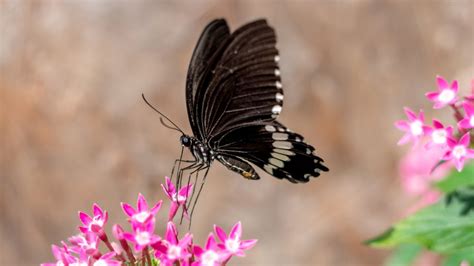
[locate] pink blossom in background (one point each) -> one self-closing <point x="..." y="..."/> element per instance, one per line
<point x="417" y="169"/>
<point x="445" y="95"/>
<point x="93" y="224"/>
<point x="438" y="134"/>
<point x="107" y="260"/>
<point x="468" y="121"/>
<point x="413" y="127"/>
<point x="459" y="151"/>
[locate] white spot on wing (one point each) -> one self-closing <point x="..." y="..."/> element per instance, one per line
<point x="308" y="151"/>
<point x="277" y="72"/>
<point x="276" y="109"/>
<point x="282" y="145"/>
<point x="278" y="84"/>
<point x="279" y="136"/>
<point x="307" y="176"/>
<point x="277" y="58"/>
<point x="281" y="129"/>
<point x="276" y="162"/>
<point x="269" y="168"/>
<point x="286" y="152"/>
<point x="270" y="128"/>
<point x="280" y="157"/>
<point x="279" y="97"/>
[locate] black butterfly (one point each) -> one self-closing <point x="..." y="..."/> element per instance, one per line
<point x="234" y="95"/>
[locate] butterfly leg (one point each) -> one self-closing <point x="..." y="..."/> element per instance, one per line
<point x="206" y="167"/>
<point x="179" y="161"/>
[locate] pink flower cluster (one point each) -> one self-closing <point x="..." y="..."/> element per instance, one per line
<point x="141" y="246"/>
<point x="456" y="144"/>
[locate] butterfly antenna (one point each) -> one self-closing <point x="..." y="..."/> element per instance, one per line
<point x="162" y="115"/>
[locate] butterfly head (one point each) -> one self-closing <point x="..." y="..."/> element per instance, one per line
<point x="185" y="140"/>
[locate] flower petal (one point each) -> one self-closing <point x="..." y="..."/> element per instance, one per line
<point x="156" y="208"/>
<point x="236" y="231"/>
<point x="455" y="86"/>
<point x="465" y="123"/>
<point x="410" y="114"/>
<point x="469" y="109"/>
<point x="220" y="233"/>
<point x="141" y="203"/>
<point x="442" y="83"/>
<point x="248" y="244"/>
<point x="97" y="210"/>
<point x="465" y="140"/>
<point x="402" y="125"/>
<point x="85" y="218"/>
<point x="432" y="96"/>
<point x="128" y="209"/>
<point x="211" y="241"/>
<point x="171" y="233"/>
<point x="405" y="139"/>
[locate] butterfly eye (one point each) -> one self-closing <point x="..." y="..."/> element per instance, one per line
<point x="185" y="141"/>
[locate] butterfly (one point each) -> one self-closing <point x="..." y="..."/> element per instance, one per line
<point x="234" y="95"/>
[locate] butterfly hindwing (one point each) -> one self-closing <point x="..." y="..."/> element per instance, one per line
<point x="275" y="149"/>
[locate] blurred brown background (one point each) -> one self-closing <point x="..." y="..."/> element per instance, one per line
<point x="74" y="129"/>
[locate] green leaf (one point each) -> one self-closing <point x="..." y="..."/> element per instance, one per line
<point x="439" y="228"/>
<point x="404" y="255"/>
<point x="457" y="179"/>
<point x="456" y="259"/>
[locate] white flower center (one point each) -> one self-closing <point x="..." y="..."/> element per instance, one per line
<point x="209" y="258"/>
<point x="101" y="263"/>
<point x="471" y="121"/>
<point x="178" y="198"/>
<point x="459" y="151"/>
<point x="446" y="96"/>
<point x="142" y="238"/>
<point x="97" y="220"/>
<point x="416" y="128"/>
<point x="174" y="252"/>
<point x="232" y="245"/>
<point x="85" y="263"/>
<point x="141" y="217"/>
<point x="439" y="136"/>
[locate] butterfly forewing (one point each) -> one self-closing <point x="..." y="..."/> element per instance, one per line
<point x="205" y="55"/>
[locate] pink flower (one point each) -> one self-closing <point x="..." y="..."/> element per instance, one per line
<point x="233" y="245"/>
<point x="459" y="151"/>
<point x="142" y="237"/>
<point x="88" y="243"/>
<point x="171" y="249"/>
<point x="107" y="260"/>
<point x="64" y="257"/>
<point x="177" y="199"/>
<point x="142" y="216"/>
<point x="445" y="95"/>
<point x="438" y="134"/>
<point x="418" y="169"/>
<point x="94" y="224"/>
<point x="210" y="256"/>
<point x="413" y="128"/>
<point x="468" y="121"/>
